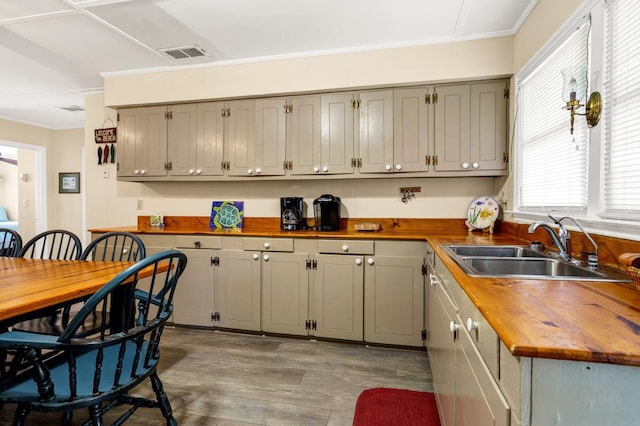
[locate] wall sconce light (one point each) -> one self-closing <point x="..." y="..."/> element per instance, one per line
<point x="574" y="91"/>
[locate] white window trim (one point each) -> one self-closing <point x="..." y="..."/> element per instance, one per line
<point x="588" y="218"/>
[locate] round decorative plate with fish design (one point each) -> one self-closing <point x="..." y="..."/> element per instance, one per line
<point x="483" y="212"/>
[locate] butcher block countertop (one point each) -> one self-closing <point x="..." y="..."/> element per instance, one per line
<point x="570" y="320"/>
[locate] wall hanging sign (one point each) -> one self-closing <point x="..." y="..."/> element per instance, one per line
<point x="227" y="215"/>
<point x="69" y="183"/>
<point x="106" y="135"/>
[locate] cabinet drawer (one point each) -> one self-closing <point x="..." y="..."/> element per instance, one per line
<point x="268" y="244"/>
<point x="482" y="334"/>
<point x="345" y="247"/>
<point x="198" y="241"/>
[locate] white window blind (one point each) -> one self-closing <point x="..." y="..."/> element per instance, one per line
<point x="621" y="180"/>
<point x="554" y="164"/>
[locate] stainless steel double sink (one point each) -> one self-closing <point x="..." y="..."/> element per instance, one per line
<point x="523" y="262"/>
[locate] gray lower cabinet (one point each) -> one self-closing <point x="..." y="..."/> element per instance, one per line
<point x="337" y="296"/>
<point x="393" y="293"/>
<point x="237" y="291"/>
<point x="194" y="302"/>
<point x="285" y="293"/>
<point x="467" y="390"/>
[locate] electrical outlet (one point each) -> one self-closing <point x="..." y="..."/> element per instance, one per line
<point x="140" y="204"/>
<point x="105" y="173"/>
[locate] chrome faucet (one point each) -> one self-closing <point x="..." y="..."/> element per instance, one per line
<point x="592" y="259"/>
<point x="556" y="238"/>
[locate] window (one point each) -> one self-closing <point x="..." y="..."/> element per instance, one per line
<point x="554" y="167"/>
<point x="621" y="188"/>
<point x="594" y="174"/>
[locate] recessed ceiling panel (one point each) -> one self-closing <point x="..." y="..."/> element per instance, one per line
<point x="14" y="9"/>
<point x="491" y="16"/>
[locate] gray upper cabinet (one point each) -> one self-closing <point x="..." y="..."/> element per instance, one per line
<point x="375" y="142"/>
<point x="182" y="141"/>
<point x="489" y="125"/>
<point x="304" y="138"/>
<point x="142" y="142"/>
<point x="209" y="140"/>
<point x="412" y="129"/>
<point x="452" y="127"/>
<point x="239" y="137"/>
<point x="471" y="127"/>
<point x="338" y="121"/>
<point x="447" y="130"/>
<point x="269" y="142"/>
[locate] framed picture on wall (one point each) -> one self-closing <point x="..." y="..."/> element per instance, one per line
<point x="69" y="183"/>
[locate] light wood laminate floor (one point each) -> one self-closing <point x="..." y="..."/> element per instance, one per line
<point x="221" y="378"/>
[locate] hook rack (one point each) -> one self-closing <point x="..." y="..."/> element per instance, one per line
<point x="408" y="193"/>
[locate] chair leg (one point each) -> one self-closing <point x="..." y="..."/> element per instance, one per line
<point x="67" y="417"/>
<point x="21" y="414"/>
<point x="95" y="414"/>
<point x="163" y="400"/>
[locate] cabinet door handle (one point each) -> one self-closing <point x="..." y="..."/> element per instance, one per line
<point x="258" y="171"/>
<point x="198" y="171"/>
<point x="191" y="171"/>
<point x="249" y="171"/>
<point x="465" y="165"/>
<point x="265" y="257"/>
<point x="255" y="256"/>
<point x="475" y="165"/>
<point x="358" y="261"/>
<point x="398" y="167"/>
<point x="370" y="261"/>
<point x="316" y="169"/>
<point x="388" y="167"/>
<point x="472" y="325"/>
<point x="453" y="327"/>
<point x="345" y="248"/>
<point x="325" y="169"/>
<point x="266" y="245"/>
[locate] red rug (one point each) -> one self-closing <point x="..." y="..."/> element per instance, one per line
<point x="398" y="407"/>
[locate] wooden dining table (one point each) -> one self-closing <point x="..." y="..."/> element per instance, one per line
<point x="28" y="285"/>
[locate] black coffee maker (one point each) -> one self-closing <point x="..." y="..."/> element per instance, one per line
<point x="326" y="210"/>
<point x="292" y="214"/>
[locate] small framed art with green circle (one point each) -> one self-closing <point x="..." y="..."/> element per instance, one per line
<point x="69" y="183"/>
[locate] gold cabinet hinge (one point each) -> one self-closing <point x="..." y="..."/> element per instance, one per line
<point x="435" y="160"/>
<point x="287" y="165"/>
<point x="427" y="98"/>
<point x="506" y="93"/>
<point x="434" y="98"/>
<point x="226" y="112"/>
<point x="118" y="117"/>
<point x="168" y="166"/>
<point x="359" y="163"/>
<point x="288" y="108"/>
<point x="505" y="157"/>
<point x="168" y="115"/>
<point x="353" y="162"/>
<point x="427" y="160"/>
<point x="225" y="165"/>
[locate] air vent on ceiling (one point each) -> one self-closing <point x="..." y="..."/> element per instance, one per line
<point x="184" y="52"/>
<point x="73" y="108"/>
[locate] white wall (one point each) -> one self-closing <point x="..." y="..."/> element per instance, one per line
<point x="61" y="150"/>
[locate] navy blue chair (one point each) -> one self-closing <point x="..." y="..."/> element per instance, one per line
<point x="115" y="246"/>
<point x="55" y="244"/>
<point x="10" y="242"/>
<point x="66" y="372"/>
